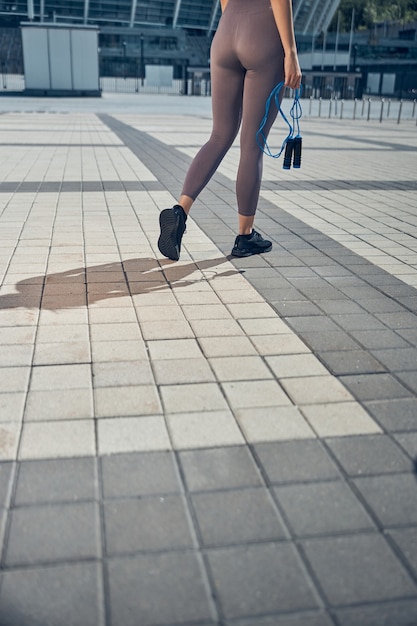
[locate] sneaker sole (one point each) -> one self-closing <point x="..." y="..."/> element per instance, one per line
<point x="167" y="239"/>
<point x="250" y="253"/>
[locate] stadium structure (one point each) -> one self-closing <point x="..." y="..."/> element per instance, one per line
<point x="174" y="32"/>
<point x="310" y="15"/>
<point x="135" y="36"/>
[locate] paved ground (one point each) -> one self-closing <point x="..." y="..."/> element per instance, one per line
<point x="209" y="442"/>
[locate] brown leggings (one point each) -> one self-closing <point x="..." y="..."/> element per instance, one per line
<point x="246" y="63"/>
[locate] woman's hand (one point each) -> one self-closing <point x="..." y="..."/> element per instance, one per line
<point x="292" y="71"/>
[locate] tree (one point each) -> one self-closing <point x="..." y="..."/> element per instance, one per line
<point x="370" y="12"/>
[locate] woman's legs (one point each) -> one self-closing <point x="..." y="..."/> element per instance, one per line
<point x="186" y="202"/>
<point x="260" y="51"/>
<point x="241" y="81"/>
<point x="258" y="85"/>
<point x="227" y="87"/>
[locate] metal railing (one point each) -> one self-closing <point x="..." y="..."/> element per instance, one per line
<point x="380" y="109"/>
<point x="367" y="109"/>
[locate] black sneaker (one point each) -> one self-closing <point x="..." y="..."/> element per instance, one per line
<point x="246" y="245"/>
<point x="172" y="223"/>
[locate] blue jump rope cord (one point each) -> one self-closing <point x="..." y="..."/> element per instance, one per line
<point x="295" y="114"/>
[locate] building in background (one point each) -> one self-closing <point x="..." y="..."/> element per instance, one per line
<point x="138" y="36"/>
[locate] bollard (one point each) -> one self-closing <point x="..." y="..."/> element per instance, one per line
<point x="341" y="109"/>
<point x="369" y="110"/>
<point x="320" y="107"/>
<point x="363" y="106"/>
<point x="414" y="109"/>
<point x="355" y="102"/>
<point x="389" y="107"/>
<point x="330" y="108"/>
<point x="335" y="107"/>
<point x="400" y="108"/>
<point x="382" y="110"/>
<point x="310" y="105"/>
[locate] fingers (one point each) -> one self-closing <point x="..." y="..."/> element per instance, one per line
<point x="293" y="82"/>
<point x="292" y="74"/>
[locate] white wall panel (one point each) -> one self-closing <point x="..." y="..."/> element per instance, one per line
<point x="84" y="47"/>
<point x="60" y="58"/>
<point x="36" y="58"/>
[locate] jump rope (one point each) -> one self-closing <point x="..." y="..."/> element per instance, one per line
<point x="292" y="144"/>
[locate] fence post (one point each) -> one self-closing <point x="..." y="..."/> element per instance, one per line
<point x="400" y="108"/>
<point x="369" y="110"/>
<point x="382" y="110"/>
<point x="355" y="102"/>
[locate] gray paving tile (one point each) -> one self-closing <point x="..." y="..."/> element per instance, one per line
<point x="409" y="379"/>
<point x="396" y="414"/>
<point x="321" y="508"/>
<point x="404" y="319"/>
<point x="410" y="334"/>
<point x="42" y="534"/>
<point x="397" y="359"/>
<point x="306" y="618"/>
<point x="384" y="279"/>
<point x="361" y="321"/>
<point x="3" y="521"/>
<point x="379" y="339"/>
<point x="351" y="362"/>
<point x="393" y="497"/>
<point x="158" y="589"/>
<point x="260" y="579"/>
<point x="55" y="481"/>
<point x="296" y="461"/>
<point x="328" y="341"/>
<point x="320" y="324"/>
<point x="367" y="387"/>
<point x="219" y="468"/>
<point x="341" y="306"/>
<point x="319" y="292"/>
<point x="408" y="441"/>
<point x="138" y="474"/>
<point x="152" y="523"/>
<point x="358" y="568"/>
<point x="406" y="540"/>
<point x="409" y="302"/>
<point x="380" y="304"/>
<point x="294" y="309"/>
<point x="231" y="517"/>
<point x="48" y="596"/>
<point x="6" y="478"/>
<point x="361" y="294"/>
<point x="369" y="454"/>
<point x="401" y="613"/>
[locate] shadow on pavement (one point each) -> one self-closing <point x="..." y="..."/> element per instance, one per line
<point x="84" y="286"/>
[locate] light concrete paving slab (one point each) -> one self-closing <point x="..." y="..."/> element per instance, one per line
<point x="132" y="434"/>
<point x="273" y="424"/>
<point x="52" y="440"/>
<point x="203" y="430"/>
